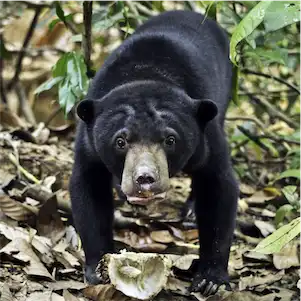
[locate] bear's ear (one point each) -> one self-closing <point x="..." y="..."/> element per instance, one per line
<point x="206" y="111"/>
<point x="88" y="109"/>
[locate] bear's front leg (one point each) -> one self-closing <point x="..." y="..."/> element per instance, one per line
<point x="92" y="209"/>
<point x="216" y="194"/>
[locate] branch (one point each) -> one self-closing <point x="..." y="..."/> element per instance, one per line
<point x="135" y="12"/>
<point x="2" y="88"/>
<point x="279" y="139"/>
<point x="86" y="44"/>
<point x="27" y="39"/>
<point x="253" y="138"/>
<point x="145" y="10"/>
<point x="272" y="110"/>
<point x="24" y="104"/>
<point x="246" y="118"/>
<point x="34" y="5"/>
<point x="280" y="80"/>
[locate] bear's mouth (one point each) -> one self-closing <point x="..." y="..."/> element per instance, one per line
<point x="143" y="201"/>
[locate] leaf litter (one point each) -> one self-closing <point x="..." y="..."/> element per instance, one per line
<point x="45" y="249"/>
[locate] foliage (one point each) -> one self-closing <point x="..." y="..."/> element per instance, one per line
<point x="277" y="240"/>
<point x="69" y="74"/>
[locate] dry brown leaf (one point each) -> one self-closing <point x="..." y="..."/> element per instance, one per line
<point x="42" y="244"/>
<point x="299" y="284"/>
<point x="49" y="221"/>
<point x="260" y="197"/>
<point x="16" y="210"/>
<point x="6" y="294"/>
<point x="265" y="228"/>
<point x="162" y="236"/>
<point x="65" y="284"/>
<point x="246" y="189"/>
<point x="69" y="297"/>
<point x="184" y="262"/>
<point x="255" y="256"/>
<point x="65" y="257"/>
<point x="141" y="242"/>
<point x="287" y="257"/>
<point x="41" y="296"/>
<point x="20" y="249"/>
<point x="56" y="297"/>
<point x="252" y="281"/>
<point x="191" y="235"/>
<point x="105" y="292"/>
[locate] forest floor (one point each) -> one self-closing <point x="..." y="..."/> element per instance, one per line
<point x="41" y="255"/>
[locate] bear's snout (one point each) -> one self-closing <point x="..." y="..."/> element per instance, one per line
<point x="145" y="175"/>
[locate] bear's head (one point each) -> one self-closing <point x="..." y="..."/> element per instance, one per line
<point x="145" y="132"/>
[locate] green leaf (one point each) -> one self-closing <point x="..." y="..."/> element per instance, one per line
<point x="282" y="212"/>
<point x="291" y="173"/>
<point x="108" y="22"/>
<point x="279" y="55"/>
<point x="277" y="240"/>
<point x="48" y="84"/>
<point x="53" y="23"/>
<point x="280" y="14"/>
<point x="289" y="193"/>
<point x="60" y="68"/>
<point x="67" y="99"/>
<point x="247" y="26"/>
<point x="59" y="11"/>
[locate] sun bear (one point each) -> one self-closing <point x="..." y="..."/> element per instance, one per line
<point x="156" y="107"/>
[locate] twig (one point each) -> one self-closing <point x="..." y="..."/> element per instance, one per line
<point x="86" y="44"/>
<point x="280" y="80"/>
<point x="8" y="138"/>
<point x="278" y="139"/>
<point x="27" y="39"/>
<point x="27" y="174"/>
<point x="35" y="5"/>
<point x="24" y="104"/>
<point x="265" y="162"/>
<point x="272" y="110"/>
<point x="38" y="51"/>
<point x="246" y="118"/>
<point x="135" y="12"/>
<point x="2" y="88"/>
<point x="145" y="10"/>
<point x="254" y="138"/>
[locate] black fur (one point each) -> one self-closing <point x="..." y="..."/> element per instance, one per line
<point x="176" y="64"/>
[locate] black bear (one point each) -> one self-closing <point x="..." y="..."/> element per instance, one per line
<point x="157" y="106"/>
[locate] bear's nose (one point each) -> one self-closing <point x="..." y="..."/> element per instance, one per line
<point x="145" y="178"/>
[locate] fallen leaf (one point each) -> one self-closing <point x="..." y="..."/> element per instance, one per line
<point x="6" y="294"/>
<point x="254" y="280"/>
<point x="42" y="244"/>
<point x="105" y="292"/>
<point x="69" y="297"/>
<point x="49" y="222"/>
<point x="16" y="210"/>
<point x="64" y="284"/>
<point x="287" y="257"/>
<point x="259" y="197"/>
<point x="20" y="249"/>
<point x="41" y="296"/>
<point x="162" y="236"/>
<point x="265" y="227"/>
<point x="246" y="189"/>
<point x="56" y="297"/>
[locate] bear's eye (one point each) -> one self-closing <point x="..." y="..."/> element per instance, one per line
<point x="120" y="143"/>
<point x="170" y="140"/>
